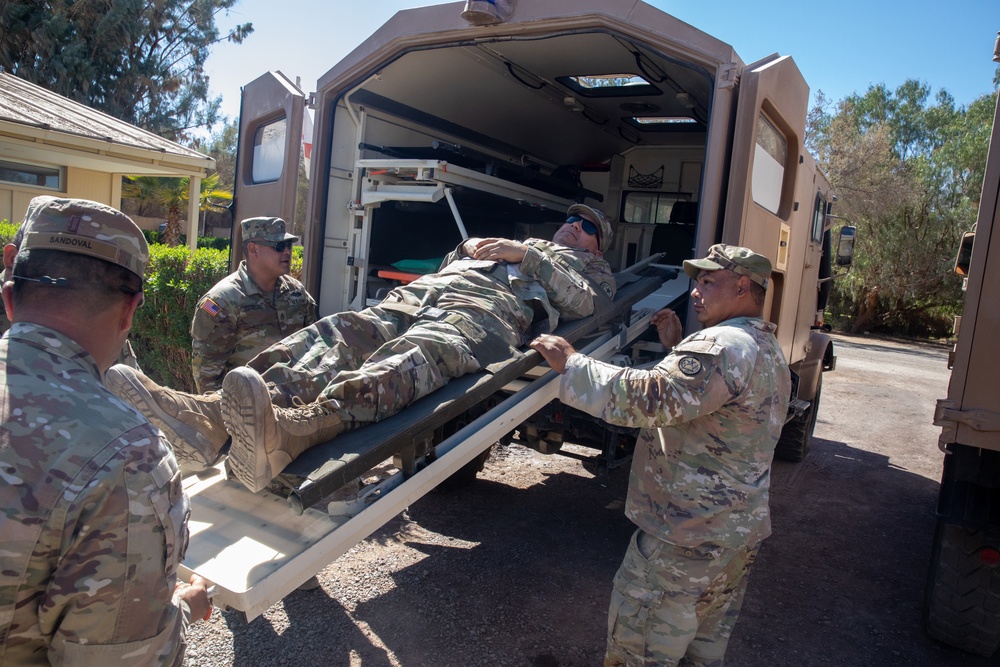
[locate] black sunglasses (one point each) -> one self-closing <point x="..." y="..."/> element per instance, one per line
<point x="280" y="246"/>
<point x="586" y="225"/>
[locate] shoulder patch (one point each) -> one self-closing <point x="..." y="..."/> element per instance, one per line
<point x="210" y="307"/>
<point x="607" y="289"/>
<point x="689" y="365"/>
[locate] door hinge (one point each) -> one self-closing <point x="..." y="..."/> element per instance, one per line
<point x="978" y="419"/>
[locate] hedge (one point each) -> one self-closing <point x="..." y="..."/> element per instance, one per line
<point x="175" y="280"/>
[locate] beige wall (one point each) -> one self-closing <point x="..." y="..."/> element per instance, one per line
<point x="79" y="183"/>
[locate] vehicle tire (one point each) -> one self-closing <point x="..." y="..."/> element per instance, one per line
<point x="962" y="598"/>
<point x="796" y="436"/>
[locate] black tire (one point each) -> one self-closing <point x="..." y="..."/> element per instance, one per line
<point x="962" y="598"/>
<point x="796" y="436"/>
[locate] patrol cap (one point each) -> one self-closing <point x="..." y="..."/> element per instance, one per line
<point x="735" y="258"/>
<point x="267" y="229"/>
<point x="87" y="228"/>
<point x="607" y="233"/>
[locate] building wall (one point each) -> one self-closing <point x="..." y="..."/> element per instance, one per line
<point x="79" y="183"/>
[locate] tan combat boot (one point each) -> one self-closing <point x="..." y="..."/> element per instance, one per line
<point x="191" y="422"/>
<point x="267" y="438"/>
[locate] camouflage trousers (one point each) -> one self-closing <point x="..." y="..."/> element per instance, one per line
<point x="373" y="363"/>
<point x="673" y="605"/>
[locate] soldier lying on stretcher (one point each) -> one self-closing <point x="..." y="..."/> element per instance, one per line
<point x="354" y="368"/>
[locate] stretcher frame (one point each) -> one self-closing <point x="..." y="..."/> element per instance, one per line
<point x="256" y="548"/>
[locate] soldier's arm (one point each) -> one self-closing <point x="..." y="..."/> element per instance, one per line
<point x="696" y="379"/>
<point x="213" y="339"/>
<point x="113" y="594"/>
<point x="571" y="293"/>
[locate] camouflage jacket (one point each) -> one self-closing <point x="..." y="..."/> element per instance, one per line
<point x="712" y="411"/>
<point x="235" y="320"/>
<point x="560" y="281"/>
<point x="92" y="513"/>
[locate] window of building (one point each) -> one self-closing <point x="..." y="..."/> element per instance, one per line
<point x="33" y="175"/>
<point x="269" y="151"/>
<point x="768" y="165"/>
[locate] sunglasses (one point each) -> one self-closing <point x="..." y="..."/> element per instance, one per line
<point x="585" y="225"/>
<point x="280" y="246"/>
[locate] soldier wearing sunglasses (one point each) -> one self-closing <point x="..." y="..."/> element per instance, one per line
<point x="250" y="309"/>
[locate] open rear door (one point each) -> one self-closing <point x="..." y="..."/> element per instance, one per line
<point x="768" y="143"/>
<point x="271" y="112"/>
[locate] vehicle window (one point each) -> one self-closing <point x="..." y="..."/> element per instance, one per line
<point x="648" y="207"/>
<point x="819" y="219"/>
<point x="768" y="165"/>
<point x="30" y="174"/>
<point x="269" y="151"/>
<point x="623" y="84"/>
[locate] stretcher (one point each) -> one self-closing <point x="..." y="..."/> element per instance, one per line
<point x="258" y="548"/>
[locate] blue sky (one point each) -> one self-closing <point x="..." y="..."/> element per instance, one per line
<point x="841" y="46"/>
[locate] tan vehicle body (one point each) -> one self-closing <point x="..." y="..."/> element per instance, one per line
<point x="504" y="94"/>
<point x="436" y="129"/>
<point x="962" y="603"/>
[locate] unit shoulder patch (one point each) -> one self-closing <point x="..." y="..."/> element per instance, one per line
<point x="689" y="365"/>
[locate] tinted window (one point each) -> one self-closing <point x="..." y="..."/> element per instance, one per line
<point x="30" y="174"/>
<point x="819" y="219"/>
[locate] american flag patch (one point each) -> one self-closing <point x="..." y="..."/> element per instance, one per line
<point x="210" y="307"/>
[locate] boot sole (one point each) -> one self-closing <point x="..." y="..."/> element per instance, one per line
<point x="183" y="438"/>
<point x="243" y="398"/>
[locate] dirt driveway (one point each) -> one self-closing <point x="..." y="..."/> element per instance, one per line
<point x="516" y="569"/>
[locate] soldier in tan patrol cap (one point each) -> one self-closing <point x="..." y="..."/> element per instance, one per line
<point x="711" y="413"/>
<point x="95" y="519"/>
<point x="257" y="305"/>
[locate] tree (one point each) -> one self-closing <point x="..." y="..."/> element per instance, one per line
<point x="139" y="61"/>
<point x="222" y="147"/>
<point x="908" y="170"/>
<point x="173" y="195"/>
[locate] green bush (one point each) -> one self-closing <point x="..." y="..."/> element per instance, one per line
<point x="175" y="280"/>
<point x="7" y="231"/>
<point x="154" y="237"/>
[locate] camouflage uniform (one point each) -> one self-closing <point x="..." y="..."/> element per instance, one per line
<point x="93" y="518"/>
<point x="712" y="412"/>
<point x="375" y="362"/>
<point x="236" y="319"/>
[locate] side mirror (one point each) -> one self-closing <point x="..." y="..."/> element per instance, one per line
<point x="845" y="246"/>
<point x="964" y="258"/>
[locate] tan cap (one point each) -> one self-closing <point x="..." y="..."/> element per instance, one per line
<point x="607" y="233"/>
<point x="739" y="260"/>
<point x="87" y="228"/>
<point x="266" y="229"/>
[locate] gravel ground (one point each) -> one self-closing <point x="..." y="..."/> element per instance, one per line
<point x="516" y="568"/>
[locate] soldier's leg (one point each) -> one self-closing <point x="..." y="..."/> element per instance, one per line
<point x="719" y="608"/>
<point x="403" y="370"/>
<point x="673" y="605"/>
<point x="300" y="366"/>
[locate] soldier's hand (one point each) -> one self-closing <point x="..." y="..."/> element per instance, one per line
<point x="668" y="327"/>
<point x="500" y="250"/>
<point x="555" y="349"/>
<point x="196" y="595"/>
<point x="470" y="245"/>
